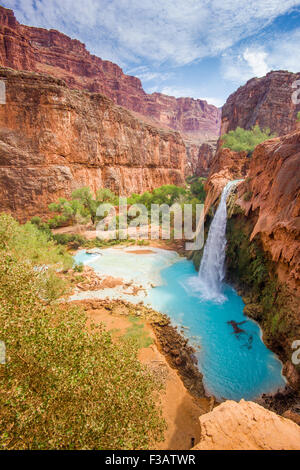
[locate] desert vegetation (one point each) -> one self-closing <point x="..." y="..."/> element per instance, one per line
<point x="81" y="209"/>
<point x="245" y="140"/>
<point x="64" y="386"/>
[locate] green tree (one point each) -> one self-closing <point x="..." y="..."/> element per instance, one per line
<point x="73" y="212"/>
<point x="197" y="189"/>
<point x="105" y="195"/>
<point x="85" y="197"/>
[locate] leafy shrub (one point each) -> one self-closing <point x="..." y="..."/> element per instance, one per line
<point x="248" y="196"/>
<point x="78" y="267"/>
<point x="245" y="140"/>
<point x="197" y="189"/>
<point x="27" y="240"/>
<point x="42" y="226"/>
<point x="137" y="333"/>
<point x="167" y="194"/>
<point x="58" y="221"/>
<point x="298" y="116"/>
<point x="69" y="238"/>
<point x="64" y="386"/>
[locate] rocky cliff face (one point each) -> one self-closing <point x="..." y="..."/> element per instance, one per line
<point x="272" y="191"/>
<point x="246" y="426"/>
<point x="225" y="166"/>
<point x="51" y="52"/>
<point x="199" y="157"/>
<point x="53" y="140"/>
<point x="263" y="245"/>
<point x="270" y="194"/>
<point x="265" y="101"/>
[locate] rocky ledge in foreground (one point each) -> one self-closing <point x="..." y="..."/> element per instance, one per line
<point x="246" y="426"/>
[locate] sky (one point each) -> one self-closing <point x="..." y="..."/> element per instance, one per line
<point x="198" y="48"/>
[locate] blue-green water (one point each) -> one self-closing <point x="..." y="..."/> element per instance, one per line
<point x="234" y="366"/>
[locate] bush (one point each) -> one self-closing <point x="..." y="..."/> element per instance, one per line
<point x="78" y="267"/>
<point x="248" y="196"/>
<point x="69" y="238"/>
<point x="197" y="189"/>
<point x="64" y="386"/>
<point x="245" y="140"/>
<point x="30" y="242"/>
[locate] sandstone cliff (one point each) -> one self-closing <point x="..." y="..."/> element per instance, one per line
<point x="246" y="426"/>
<point x="272" y="192"/>
<point x="265" y="101"/>
<point x="263" y="244"/>
<point x="53" y="139"/>
<point x="51" y="52"/>
<point x="225" y="166"/>
<point x="199" y="157"/>
<point x="270" y="195"/>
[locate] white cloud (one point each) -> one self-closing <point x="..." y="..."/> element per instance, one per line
<point x="155" y="31"/>
<point x="257" y="61"/>
<point x="280" y="52"/>
<point x="147" y="74"/>
<point x="218" y="102"/>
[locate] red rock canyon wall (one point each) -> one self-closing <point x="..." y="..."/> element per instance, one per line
<point x="54" y="139"/>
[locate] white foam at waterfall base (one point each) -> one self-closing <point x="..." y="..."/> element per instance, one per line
<point x="209" y="283"/>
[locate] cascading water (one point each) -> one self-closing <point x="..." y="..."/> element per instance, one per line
<point x="234" y="366"/>
<point x="212" y="268"/>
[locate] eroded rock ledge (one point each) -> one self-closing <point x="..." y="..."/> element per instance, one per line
<point x="246" y="426"/>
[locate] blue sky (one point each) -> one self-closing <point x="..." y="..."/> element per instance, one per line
<point x="198" y="48"/>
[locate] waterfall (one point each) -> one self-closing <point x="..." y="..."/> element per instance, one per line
<point x="212" y="268"/>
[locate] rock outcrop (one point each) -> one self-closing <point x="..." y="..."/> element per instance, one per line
<point x="246" y="426"/>
<point x="265" y="101"/>
<point x="226" y="165"/>
<point x="199" y="157"/>
<point x="54" y="139"/>
<point x="51" y="52"/>
<point x="272" y="191"/>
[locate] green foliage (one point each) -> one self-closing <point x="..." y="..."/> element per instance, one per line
<point x="245" y="140"/>
<point x="298" y="116"/>
<point x="249" y="266"/>
<point x="81" y="208"/>
<point x="248" y="195"/>
<point x="27" y="240"/>
<point x="70" y="212"/>
<point x="64" y="386"/>
<point x="69" y="238"/>
<point x="197" y="189"/>
<point x="78" y="268"/>
<point x="138" y="334"/>
<point x="105" y="195"/>
<point x="167" y="194"/>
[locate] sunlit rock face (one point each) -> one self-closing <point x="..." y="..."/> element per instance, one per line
<point x="54" y="139"/>
<point x="265" y="101"/>
<point x="246" y="426"/>
<point x="225" y="166"/>
<point x="199" y="157"/>
<point x="28" y="48"/>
